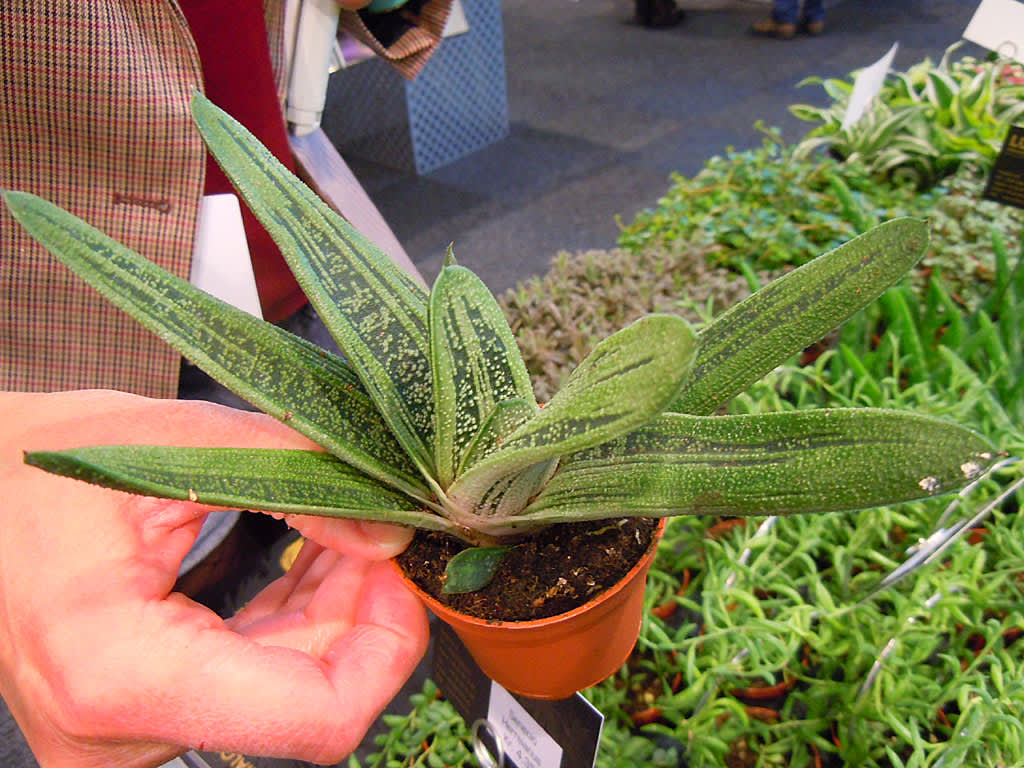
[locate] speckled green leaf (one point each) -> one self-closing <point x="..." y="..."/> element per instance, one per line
<point x="506" y="417"/>
<point x="376" y="312"/>
<point x="472" y="569"/>
<point x="776" y="463"/>
<point x="296" y="482"/>
<point x="510" y="495"/>
<point x="743" y="344"/>
<point x="316" y="393"/>
<point x="475" y="361"/>
<point x="626" y="381"/>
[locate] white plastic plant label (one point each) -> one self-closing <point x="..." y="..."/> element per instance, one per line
<point x="867" y="85"/>
<point x="999" y="26"/>
<point x="524" y="741"/>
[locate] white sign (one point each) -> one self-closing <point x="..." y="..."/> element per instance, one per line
<point x="999" y="26"/>
<point x="524" y="741"/>
<point x="221" y="264"/>
<point x="866" y="86"/>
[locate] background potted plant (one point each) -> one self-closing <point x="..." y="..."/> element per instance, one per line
<point x="429" y="420"/>
<point x="925" y="122"/>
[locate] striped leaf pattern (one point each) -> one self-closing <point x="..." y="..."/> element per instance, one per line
<point x="374" y="310"/>
<point x="743" y="344"/>
<point x="291" y="481"/>
<point x="476" y="364"/>
<point x="315" y="392"/>
<point x="776" y="463"/>
<point x="506" y="417"/>
<point x="625" y="382"/>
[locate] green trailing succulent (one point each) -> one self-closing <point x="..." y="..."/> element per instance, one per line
<point x="429" y="419"/>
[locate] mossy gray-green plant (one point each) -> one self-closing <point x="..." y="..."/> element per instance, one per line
<point x="558" y="317"/>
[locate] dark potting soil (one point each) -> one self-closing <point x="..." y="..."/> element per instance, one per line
<point x="554" y="571"/>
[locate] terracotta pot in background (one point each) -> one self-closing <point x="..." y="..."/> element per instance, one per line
<point x="553" y="658"/>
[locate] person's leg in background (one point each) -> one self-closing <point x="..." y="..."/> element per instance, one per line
<point x="657" y="13"/>
<point x="788" y="18"/>
<point x="782" y="24"/>
<point x="812" y="19"/>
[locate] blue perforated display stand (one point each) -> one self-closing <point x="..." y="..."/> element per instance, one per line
<point x="457" y="105"/>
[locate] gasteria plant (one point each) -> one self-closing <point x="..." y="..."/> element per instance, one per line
<point x="429" y="420"/>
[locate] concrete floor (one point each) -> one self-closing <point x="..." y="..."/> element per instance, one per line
<point x="603" y="111"/>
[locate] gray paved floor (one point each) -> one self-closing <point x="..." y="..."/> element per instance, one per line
<point x="603" y="111"/>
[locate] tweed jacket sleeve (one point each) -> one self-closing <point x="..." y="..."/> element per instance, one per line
<point x="95" y="103"/>
<point x="94" y="98"/>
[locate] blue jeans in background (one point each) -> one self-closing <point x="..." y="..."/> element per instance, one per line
<point x="788" y="11"/>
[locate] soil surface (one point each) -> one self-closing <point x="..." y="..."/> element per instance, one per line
<point x="552" y="572"/>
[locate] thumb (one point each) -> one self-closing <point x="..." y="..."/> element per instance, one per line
<point x="372" y="541"/>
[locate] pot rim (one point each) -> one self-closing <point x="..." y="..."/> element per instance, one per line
<point x="642" y="563"/>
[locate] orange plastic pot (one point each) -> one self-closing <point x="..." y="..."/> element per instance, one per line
<point x="553" y="658"/>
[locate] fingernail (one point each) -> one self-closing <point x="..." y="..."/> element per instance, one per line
<point x="390" y="537"/>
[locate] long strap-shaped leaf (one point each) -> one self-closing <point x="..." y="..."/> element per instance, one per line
<point x="776" y="463"/>
<point x="289" y="378"/>
<point x="622" y="384"/>
<point x="475" y="361"/>
<point x="374" y="310"/>
<point x="292" y="481"/>
<point x="746" y="342"/>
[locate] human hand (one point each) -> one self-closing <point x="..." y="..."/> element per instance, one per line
<point x="102" y="664"/>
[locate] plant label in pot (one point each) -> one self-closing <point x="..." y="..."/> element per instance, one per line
<point x="563" y="733"/>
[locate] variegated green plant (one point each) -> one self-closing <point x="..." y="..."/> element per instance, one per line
<point x="429" y="419"/>
<point x="925" y="122"/>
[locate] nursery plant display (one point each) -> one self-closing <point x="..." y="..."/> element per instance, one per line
<point x="925" y="122"/>
<point x="767" y="641"/>
<point x="430" y="420"/>
<point x="767" y="209"/>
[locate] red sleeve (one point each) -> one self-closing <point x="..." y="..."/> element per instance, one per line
<point x="231" y="36"/>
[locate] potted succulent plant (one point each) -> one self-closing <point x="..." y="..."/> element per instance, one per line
<point x="429" y="419"/>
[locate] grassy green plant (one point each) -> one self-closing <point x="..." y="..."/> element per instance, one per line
<point x="925" y="122"/>
<point x="764" y="210"/>
<point x="966" y="231"/>
<point x="431" y="735"/>
<point x="430" y="419"/>
<point x="767" y="209"/>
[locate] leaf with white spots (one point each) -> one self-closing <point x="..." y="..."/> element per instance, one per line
<point x="475" y="362"/>
<point x="313" y="391"/>
<point x="376" y="312"/>
<point x="626" y="381"/>
<point x="761" y="332"/>
<point x="506" y="417"/>
<point x="270" y="480"/>
<point x="773" y="463"/>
